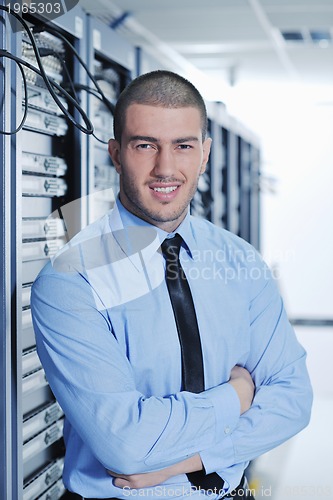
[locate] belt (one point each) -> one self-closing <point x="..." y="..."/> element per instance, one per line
<point x="242" y="491"/>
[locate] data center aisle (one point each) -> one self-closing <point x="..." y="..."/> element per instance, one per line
<point x="302" y="468"/>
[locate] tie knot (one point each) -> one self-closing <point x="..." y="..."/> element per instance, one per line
<point x="171" y="247"/>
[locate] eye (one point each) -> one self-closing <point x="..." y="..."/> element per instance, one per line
<point x="184" y="146"/>
<point x="144" y="146"/>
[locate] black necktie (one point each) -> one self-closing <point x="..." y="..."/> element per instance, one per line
<point x="189" y="338"/>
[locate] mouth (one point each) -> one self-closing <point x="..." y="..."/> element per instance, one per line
<point x="168" y="189"/>
<point x="164" y="192"/>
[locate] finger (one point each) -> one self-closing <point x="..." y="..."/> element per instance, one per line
<point x="121" y="482"/>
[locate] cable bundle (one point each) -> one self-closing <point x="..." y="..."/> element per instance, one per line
<point x="68" y="92"/>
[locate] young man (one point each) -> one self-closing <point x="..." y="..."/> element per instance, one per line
<point x="110" y="337"/>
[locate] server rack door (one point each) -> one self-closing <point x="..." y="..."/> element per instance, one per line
<point x="224" y="175"/>
<point x="255" y="197"/>
<point x="7" y="388"/>
<point x="13" y="156"/>
<point x="202" y="203"/>
<point x="233" y="193"/>
<point x="244" y="174"/>
<point x="219" y="174"/>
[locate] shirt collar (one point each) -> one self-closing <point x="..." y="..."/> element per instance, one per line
<point x="129" y="220"/>
<point x="185" y="231"/>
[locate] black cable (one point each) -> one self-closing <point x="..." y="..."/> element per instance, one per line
<point x="44" y="52"/>
<point x="5" y="53"/>
<point x="20" y="63"/>
<point x="95" y="93"/>
<point x="54" y="83"/>
<point x="106" y="101"/>
<point x="50" y="82"/>
<point x="13" y="132"/>
<point x="99" y="140"/>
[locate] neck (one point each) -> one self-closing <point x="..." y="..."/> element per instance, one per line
<point x="169" y="226"/>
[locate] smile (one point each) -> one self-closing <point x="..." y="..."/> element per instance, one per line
<point x="168" y="189"/>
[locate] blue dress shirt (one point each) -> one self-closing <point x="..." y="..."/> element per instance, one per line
<point x="108" y="342"/>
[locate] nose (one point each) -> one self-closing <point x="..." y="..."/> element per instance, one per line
<point x="164" y="163"/>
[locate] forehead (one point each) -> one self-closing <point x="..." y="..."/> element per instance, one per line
<point x="148" y="120"/>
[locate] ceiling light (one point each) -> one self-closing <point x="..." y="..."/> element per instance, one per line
<point x="293" y="36"/>
<point x="322" y="37"/>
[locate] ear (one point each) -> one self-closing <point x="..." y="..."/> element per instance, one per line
<point x="114" y="152"/>
<point x="206" y="145"/>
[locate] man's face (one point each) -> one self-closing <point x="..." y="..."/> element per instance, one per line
<point x="159" y="161"/>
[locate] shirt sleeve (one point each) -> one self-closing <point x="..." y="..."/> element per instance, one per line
<point x="93" y="381"/>
<point x="283" y="398"/>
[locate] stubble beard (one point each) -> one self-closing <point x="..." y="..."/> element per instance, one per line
<point x="136" y="205"/>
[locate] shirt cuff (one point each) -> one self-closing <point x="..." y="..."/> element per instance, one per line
<point x="227" y="409"/>
<point x="215" y="458"/>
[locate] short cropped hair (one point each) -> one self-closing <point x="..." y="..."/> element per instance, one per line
<point x="158" y="88"/>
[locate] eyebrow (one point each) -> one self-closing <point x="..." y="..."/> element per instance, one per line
<point x="148" y="138"/>
<point x="191" y="138"/>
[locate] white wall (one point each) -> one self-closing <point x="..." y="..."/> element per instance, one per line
<point x="295" y="124"/>
<point x="297" y="239"/>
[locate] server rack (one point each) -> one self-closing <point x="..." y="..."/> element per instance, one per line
<point x="248" y="158"/>
<point x="49" y="167"/>
<point x="112" y="61"/>
<point x="39" y="173"/>
<point x="235" y="174"/>
<point x="52" y="158"/>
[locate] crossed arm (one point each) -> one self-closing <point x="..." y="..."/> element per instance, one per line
<point x="241" y="381"/>
<point x="66" y="331"/>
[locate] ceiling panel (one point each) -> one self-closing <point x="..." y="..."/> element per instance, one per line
<point x="234" y="39"/>
<point x="173" y="5"/>
<point x="206" y="27"/>
<point x="296" y="4"/>
<point x="322" y="19"/>
<point x="179" y="24"/>
<point x="320" y="71"/>
<point x="263" y="65"/>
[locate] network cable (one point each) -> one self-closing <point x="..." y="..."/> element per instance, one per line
<point x="105" y="100"/>
<point x="95" y="93"/>
<point x="21" y="62"/>
<point x="49" y="82"/>
<point x="25" y="112"/>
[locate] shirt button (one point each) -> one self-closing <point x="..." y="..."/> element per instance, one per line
<point x="227" y="430"/>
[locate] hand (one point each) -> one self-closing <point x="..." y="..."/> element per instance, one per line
<point x="155" y="478"/>
<point x="137" y="481"/>
<point x="242" y="382"/>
